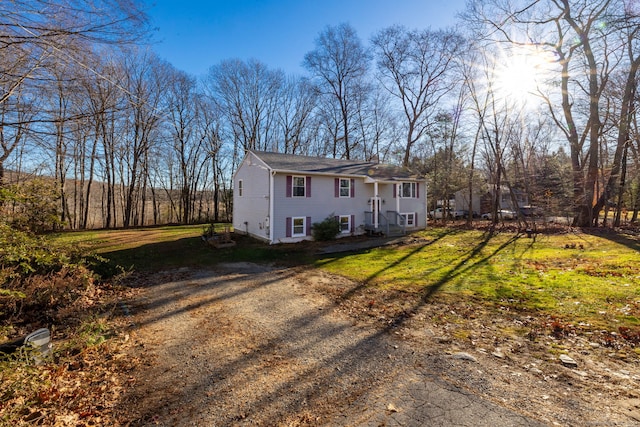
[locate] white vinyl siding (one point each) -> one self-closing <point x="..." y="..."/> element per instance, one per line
<point x="250" y="206"/>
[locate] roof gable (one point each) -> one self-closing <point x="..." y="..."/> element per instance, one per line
<point x="321" y="165"/>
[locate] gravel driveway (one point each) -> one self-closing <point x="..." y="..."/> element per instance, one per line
<point x="255" y="345"/>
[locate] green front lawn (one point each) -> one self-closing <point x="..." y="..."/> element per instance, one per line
<point x="589" y="278"/>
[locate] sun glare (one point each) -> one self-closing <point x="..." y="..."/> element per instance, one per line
<point x="517" y="79"/>
<point x="520" y="75"/>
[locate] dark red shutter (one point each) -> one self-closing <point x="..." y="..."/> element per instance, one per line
<point x="308" y="224"/>
<point x="395" y="190"/>
<point x="289" y="226"/>
<point x="308" y="189"/>
<point x="415" y="219"/>
<point x="353" y="188"/>
<point x="353" y="220"/>
<point x="336" y="187"/>
<point x="289" y="185"/>
<point x="417" y="190"/>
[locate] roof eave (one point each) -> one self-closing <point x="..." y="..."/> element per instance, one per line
<point x="391" y="180"/>
<point x="303" y="172"/>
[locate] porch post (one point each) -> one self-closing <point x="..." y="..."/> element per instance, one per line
<point x="375" y="205"/>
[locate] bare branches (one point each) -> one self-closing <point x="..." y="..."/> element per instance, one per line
<point x="339" y="64"/>
<point x="417" y="68"/>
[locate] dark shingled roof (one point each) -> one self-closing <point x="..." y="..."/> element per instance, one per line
<point x="323" y="165"/>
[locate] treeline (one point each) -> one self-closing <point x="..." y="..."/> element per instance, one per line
<point x="534" y="97"/>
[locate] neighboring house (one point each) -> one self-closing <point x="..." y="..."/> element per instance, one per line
<point x="462" y="201"/>
<point x="277" y="197"/>
<point x="482" y="202"/>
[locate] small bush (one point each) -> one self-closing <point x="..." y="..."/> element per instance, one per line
<point x="31" y="205"/>
<point x="328" y="229"/>
<point x="23" y="254"/>
<point x="44" y="283"/>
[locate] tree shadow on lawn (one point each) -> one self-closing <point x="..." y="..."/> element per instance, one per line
<point x="628" y="239"/>
<point x="463" y="266"/>
<point x="194" y="252"/>
<point x="366" y="282"/>
<point x="158" y="256"/>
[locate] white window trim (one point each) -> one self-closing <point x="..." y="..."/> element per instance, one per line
<point x="406" y="219"/>
<point x="348" y="230"/>
<point x="348" y="187"/>
<point x="413" y="190"/>
<point x="293" y="226"/>
<point x="293" y="186"/>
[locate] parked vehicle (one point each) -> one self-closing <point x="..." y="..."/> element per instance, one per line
<point x="460" y="214"/>
<point x="531" y="211"/>
<point x="440" y="213"/>
<point x="464" y="214"/>
<point x="502" y="214"/>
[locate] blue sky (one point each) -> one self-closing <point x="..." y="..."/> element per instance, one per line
<point x="193" y="35"/>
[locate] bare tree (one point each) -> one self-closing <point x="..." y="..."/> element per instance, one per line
<point x="297" y="102"/>
<point x="416" y="67"/>
<point x="101" y="97"/>
<point x="189" y="132"/>
<point x="377" y="127"/>
<point x="16" y="114"/>
<point x="634" y="154"/>
<point x="247" y="93"/>
<point x="586" y="54"/>
<point x="497" y="119"/>
<point x="38" y="39"/>
<point x="35" y="33"/>
<point x="627" y="25"/>
<point x="144" y="86"/>
<point x="339" y="64"/>
<point x="210" y="127"/>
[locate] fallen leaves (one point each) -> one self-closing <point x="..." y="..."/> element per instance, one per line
<point x="81" y="383"/>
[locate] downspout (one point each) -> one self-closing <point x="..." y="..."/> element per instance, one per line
<point x="271" y="190"/>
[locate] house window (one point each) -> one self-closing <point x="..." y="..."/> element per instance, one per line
<point x="345" y="187"/>
<point x="298" y="226"/>
<point x="345" y="224"/>
<point x="409" y="219"/>
<point x="240" y="188"/>
<point x="409" y="190"/>
<point x="298" y="186"/>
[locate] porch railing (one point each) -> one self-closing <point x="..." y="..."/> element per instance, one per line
<point x="391" y="222"/>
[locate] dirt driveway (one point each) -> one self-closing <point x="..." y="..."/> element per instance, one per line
<point x="255" y="345"/>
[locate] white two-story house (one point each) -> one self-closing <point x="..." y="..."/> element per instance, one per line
<point x="277" y="197"/>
